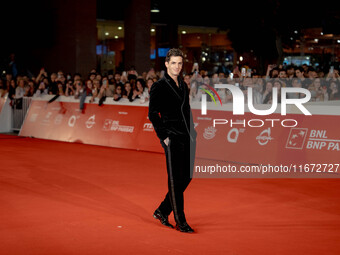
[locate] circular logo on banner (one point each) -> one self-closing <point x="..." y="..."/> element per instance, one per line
<point x="209" y="133"/>
<point x="233" y="135"/>
<point x="72" y="121"/>
<point x="90" y="122"/>
<point x="264" y="137"/>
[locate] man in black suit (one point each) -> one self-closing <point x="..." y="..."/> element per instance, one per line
<point x="170" y="114"/>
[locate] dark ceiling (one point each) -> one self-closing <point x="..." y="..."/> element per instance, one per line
<point x="294" y="14"/>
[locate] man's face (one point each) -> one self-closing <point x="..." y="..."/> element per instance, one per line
<point x="282" y="74"/>
<point x="290" y="71"/>
<point x="174" y="66"/>
<point x="312" y="74"/>
<point x="275" y="73"/>
<point x="298" y="73"/>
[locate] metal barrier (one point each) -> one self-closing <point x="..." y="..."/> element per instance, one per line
<point x="20" y="107"/>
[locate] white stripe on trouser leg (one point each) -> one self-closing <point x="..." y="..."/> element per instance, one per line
<point x="172" y="185"/>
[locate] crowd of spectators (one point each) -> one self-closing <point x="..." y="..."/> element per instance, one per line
<point x="323" y="87"/>
<point x="131" y="85"/>
<point x="98" y="87"/>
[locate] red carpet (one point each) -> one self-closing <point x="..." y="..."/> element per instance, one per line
<point x="62" y="198"/>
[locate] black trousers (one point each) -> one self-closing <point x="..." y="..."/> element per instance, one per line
<point x="180" y="157"/>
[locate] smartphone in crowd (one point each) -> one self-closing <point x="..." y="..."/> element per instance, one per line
<point x="249" y="72"/>
<point x="196" y="68"/>
<point x="243" y="72"/>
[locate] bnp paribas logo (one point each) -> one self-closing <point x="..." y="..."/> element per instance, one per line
<point x="238" y="104"/>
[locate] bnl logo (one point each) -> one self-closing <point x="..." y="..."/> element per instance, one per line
<point x="238" y="100"/>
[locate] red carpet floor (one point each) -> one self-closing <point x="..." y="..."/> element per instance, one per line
<point x="62" y="198"/>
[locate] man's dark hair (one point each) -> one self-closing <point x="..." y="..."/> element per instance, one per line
<point x="290" y="67"/>
<point x="300" y="68"/>
<point x="311" y="69"/>
<point x="174" y="52"/>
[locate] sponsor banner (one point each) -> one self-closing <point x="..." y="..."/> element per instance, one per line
<point x="274" y="139"/>
<point x="147" y="139"/>
<point x="110" y="125"/>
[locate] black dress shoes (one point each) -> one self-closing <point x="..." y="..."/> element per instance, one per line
<point x="163" y="219"/>
<point x="184" y="227"/>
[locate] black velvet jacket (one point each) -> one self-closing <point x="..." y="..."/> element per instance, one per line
<point x="169" y="109"/>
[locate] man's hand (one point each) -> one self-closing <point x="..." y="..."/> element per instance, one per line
<point x="166" y="141"/>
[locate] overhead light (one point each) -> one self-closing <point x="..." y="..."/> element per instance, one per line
<point x="316" y="40"/>
<point x="295" y="31"/>
<point x="120" y="28"/>
<point x="116" y="36"/>
<point x="184" y="32"/>
<point x="153" y="30"/>
<point x="321" y="33"/>
<point x="106" y="33"/>
<point x="291" y="38"/>
<point x="241" y="58"/>
<point x="154" y="6"/>
<point x="338" y="41"/>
